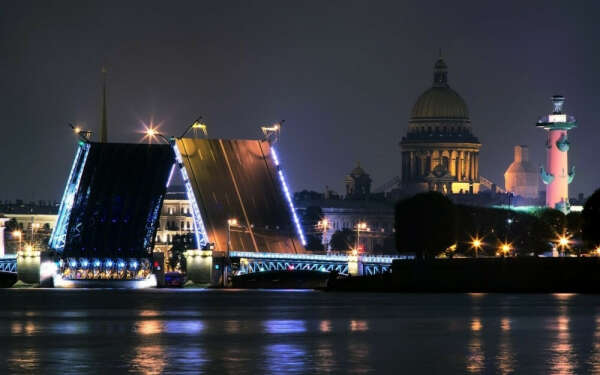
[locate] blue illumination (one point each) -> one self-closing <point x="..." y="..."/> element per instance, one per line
<point x="170" y="175"/>
<point x="108" y="263"/>
<point x="57" y="239"/>
<point x="199" y="228"/>
<point x="133" y="264"/>
<point x="288" y="197"/>
<point x="96" y="263"/>
<point x="72" y="263"/>
<point x="84" y="263"/>
<point x="120" y="263"/>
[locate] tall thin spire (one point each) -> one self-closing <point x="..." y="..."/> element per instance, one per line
<point x="103" y="124"/>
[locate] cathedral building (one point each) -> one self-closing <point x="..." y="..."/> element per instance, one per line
<point x="440" y="151"/>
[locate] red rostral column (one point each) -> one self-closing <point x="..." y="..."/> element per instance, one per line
<point x="556" y="175"/>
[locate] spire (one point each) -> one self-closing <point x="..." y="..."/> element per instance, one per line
<point x="103" y="125"/>
<point x="440" y="72"/>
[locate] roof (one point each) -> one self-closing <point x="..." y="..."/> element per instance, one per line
<point x="440" y="102"/>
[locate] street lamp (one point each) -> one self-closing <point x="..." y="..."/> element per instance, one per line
<point x="34" y="226"/>
<point x="230" y="223"/>
<point x="476" y="244"/>
<point x="19" y="235"/>
<point x="360" y="226"/>
<point x="151" y="133"/>
<point x="563" y="242"/>
<point x="505" y="248"/>
<point x="324" y="225"/>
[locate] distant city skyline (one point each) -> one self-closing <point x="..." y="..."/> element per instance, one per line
<point x="344" y="81"/>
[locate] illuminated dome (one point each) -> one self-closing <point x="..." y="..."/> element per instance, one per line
<point x="439" y="150"/>
<point x="440" y="102"/>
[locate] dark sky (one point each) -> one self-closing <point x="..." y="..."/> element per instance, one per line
<point x="344" y="75"/>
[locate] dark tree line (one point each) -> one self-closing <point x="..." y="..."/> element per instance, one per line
<point x="429" y="224"/>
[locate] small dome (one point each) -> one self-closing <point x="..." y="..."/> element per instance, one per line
<point x="440" y="102"/>
<point x="358" y="171"/>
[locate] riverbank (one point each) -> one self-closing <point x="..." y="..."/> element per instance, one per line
<point x="505" y="275"/>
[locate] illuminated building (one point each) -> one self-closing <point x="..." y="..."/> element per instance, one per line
<point x="175" y="218"/>
<point x="439" y="151"/>
<point x="521" y="177"/>
<point x="556" y="174"/>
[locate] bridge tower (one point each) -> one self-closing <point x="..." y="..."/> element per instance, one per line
<point x="556" y="174"/>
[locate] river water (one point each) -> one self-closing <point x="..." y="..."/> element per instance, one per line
<point x="277" y="332"/>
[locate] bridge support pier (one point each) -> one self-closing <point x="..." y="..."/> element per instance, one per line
<point x="199" y="266"/>
<point x="28" y="267"/>
<point x="355" y="266"/>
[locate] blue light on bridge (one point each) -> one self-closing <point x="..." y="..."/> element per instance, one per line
<point x="84" y="263"/>
<point x="72" y="263"/>
<point x="96" y="263"/>
<point x="108" y="264"/>
<point x="288" y="197"/>
<point x="133" y="265"/>
<point x="199" y="228"/>
<point x="120" y="263"/>
<point x="57" y="239"/>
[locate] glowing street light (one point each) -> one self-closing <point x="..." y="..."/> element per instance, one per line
<point x="360" y="226"/>
<point x="18" y="234"/>
<point x="324" y="225"/>
<point x="476" y="245"/>
<point x="505" y="248"/>
<point x="230" y="223"/>
<point x="563" y="241"/>
<point x="151" y="133"/>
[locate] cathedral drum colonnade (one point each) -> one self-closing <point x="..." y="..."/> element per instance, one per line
<point x="439" y="151"/>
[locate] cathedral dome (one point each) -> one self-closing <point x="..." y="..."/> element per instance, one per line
<point x="440" y="101"/>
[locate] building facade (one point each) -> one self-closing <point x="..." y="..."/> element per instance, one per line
<point x="521" y="177"/>
<point x="175" y="219"/>
<point x="439" y="151"/>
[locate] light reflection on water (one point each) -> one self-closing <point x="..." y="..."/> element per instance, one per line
<point x="318" y="333"/>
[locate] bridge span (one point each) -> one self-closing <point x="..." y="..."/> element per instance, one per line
<point x="344" y="264"/>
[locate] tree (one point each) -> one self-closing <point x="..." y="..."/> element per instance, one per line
<point x="342" y="240"/>
<point x="575" y="228"/>
<point x="181" y="243"/>
<point x="314" y="235"/>
<point x="591" y="220"/>
<point x="425" y="224"/>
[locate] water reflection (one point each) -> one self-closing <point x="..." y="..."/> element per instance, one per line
<point x="183" y="327"/>
<point x="476" y="355"/>
<point x="148" y="360"/>
<point x="594" y="360"/>
<point x="324" y="358"/>
<point x="149" y="327"/>
<point x="505" y="357"/>
<point x="232" y="327"/>
<point x="325" y="326"/>
<point x="285" y="358"/>
<point x="562" y="359"/>
<point x="23" y="360"/>
<point x="285" y="326"/>
<point x="69" y="327"/>
<point x="358" y="325"/>
<point x="358" y="356"/>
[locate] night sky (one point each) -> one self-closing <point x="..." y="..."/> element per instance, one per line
<point x="344" y="75"/>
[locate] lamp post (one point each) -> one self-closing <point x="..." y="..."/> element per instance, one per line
<point x="563" y="242"/>
<point x="505" y="248"/>
<point x="476" y="245"/>
<point x="360" y="226"/>
<point x="19" y="235"/>
<point x="324" y="225"/>
<point x="230" y="222"/>
<point x="151" y="133"/>
<point x="34" y="226"/>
